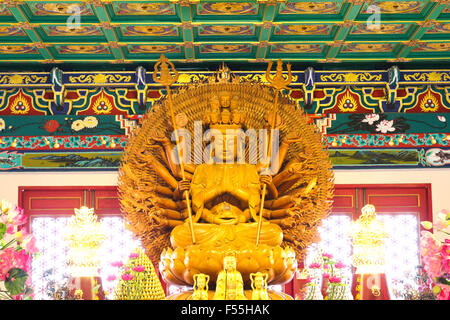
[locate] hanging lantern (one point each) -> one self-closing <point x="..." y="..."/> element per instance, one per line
<point x="84" y="236"/>
<point x="368" y="235"/>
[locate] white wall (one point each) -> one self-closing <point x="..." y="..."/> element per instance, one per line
<point x="10" y="181"/>
<point x="439" y="178"/>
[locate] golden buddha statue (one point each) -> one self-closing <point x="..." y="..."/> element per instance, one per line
<point x="259" y="286"/>
<point x="189" y="224"/>
<point x="200" y="287"/>
<point x="229" y="284"/>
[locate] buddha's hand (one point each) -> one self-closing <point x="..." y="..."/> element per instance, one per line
<point x="156" y="136"/>
<point x="184" y="185"/>
<point x="265" y="179"/>
<point x="292" y="137"/>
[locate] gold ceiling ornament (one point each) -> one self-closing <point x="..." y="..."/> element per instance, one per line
<point x="224" y="198"/>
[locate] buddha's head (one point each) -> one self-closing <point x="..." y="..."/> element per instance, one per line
<point x="258" y="280"/>
<point x="201" y="280"/>
<point x="225" y="99"/>
<point x="229" y="262"/>
<point x="225" y="213"/>
<point x="225" y="145"/>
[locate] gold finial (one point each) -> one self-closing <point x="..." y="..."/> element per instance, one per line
<point x="278" y="81"/>
<point x="165" y="78"/>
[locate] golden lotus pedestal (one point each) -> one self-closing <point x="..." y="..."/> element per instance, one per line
<point x="187" y="295"/>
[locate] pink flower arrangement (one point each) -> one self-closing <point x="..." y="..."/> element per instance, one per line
<point x="111" y="278"/>
<point x="436" y="255"/>
<point x="127" y="276"/>
<point x="315" y="265"/>
<point x="117" y="264"/>
<point x="139" y="268"/>
<point x="335" y="279"/>
<point x="16" y="253"/>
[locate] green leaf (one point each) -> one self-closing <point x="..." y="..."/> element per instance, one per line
<point x="2" y="230"/>
<point x="15" y="282"/>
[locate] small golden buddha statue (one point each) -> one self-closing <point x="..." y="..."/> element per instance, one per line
<point x="259" y="286"/>
<point x="229" y="284"/>
<point x="200" y="287"/>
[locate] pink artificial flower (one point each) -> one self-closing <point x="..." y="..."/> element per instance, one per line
<point x="139" y="268"/>
<point x="335" y="279"/>
<point x="309" y="279"/>
<point x="315" y="265"/>
<point x="127" y="276"/>
<point x="446" y="265"/>
<point x="441" y="221"/>
<point x="432" y="265"/>
<point x="340" y="265"/>
<point x="429" y="245"/>
<point x="21" y="218"/>
<point x="27" y="241"/>
<point x="111" y="278"/>
<point x="327" y="255"/>
<point x="29" y="244"/>
<point x="444" y="294"/>
<point x="11" y="258"/>
<point x="134" y="255"/>
<point x="10" y="229"/>
<point x="445" y="251"/>
<point x="117" y="264"/>
<point x="326" y="275"/>
<point x="325" y="266"/>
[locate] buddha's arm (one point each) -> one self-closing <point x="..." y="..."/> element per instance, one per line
<point x="172" y="158"/>
<point x="279" y="203"/>
<point x="271" y="188"/>
<point x="280" y="153"/>
<point x="170" y="204"/>
<point x="160" y="169"/>
<point x="277" y="214"/>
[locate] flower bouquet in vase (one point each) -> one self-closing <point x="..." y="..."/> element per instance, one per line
<point x="435" y="255"/>
<point x="17" y="249"/>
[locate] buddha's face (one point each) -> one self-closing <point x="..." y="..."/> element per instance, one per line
<point x="201" y="282"/>
<point x="225" y="100"/>
<point x="225" y="147"/>
<point x="225" y="213"/>
<point x="215" y="104"/>
<point x="259" y="282"/>
<point x="229" y="263"/>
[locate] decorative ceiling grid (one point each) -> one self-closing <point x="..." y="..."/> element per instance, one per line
<point x="250" y="31"/>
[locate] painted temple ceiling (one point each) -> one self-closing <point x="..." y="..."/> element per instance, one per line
<point x="199" y="31"/>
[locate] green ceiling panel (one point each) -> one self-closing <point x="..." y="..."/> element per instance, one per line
<point x="57" y="11"/>
<point x="149" y="33"/>
<point x="142" y="11"/>
<point x="238" y="30"/>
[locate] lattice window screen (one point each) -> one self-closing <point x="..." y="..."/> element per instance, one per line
<point x="49" y="238"/>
